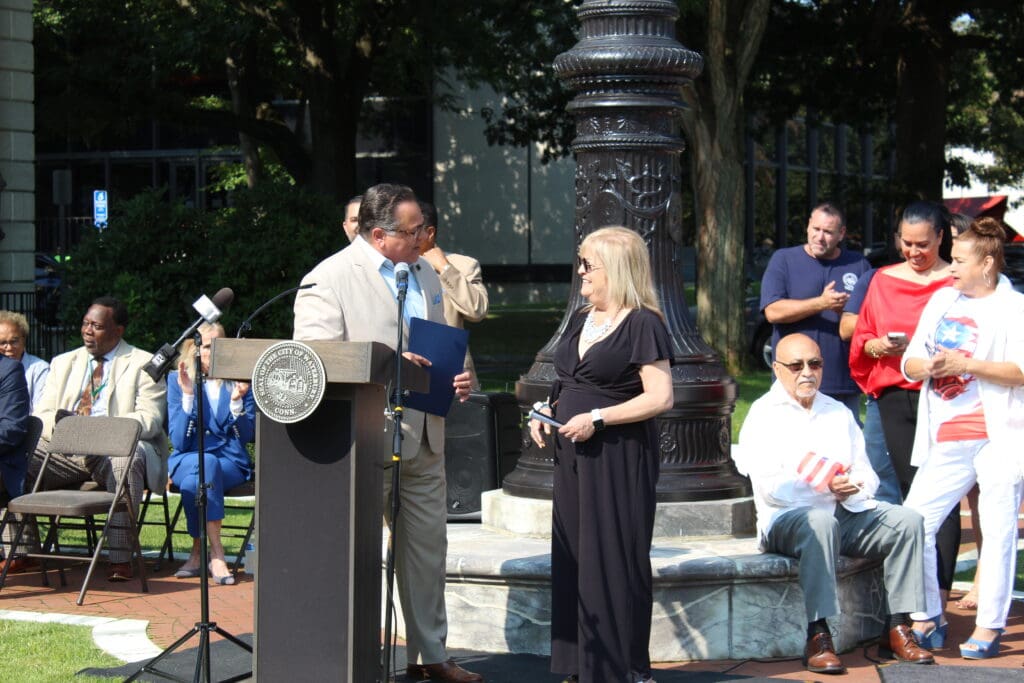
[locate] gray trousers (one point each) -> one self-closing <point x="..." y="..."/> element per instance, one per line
<point x="63" y="471"/>
<point x="892" y="533"/>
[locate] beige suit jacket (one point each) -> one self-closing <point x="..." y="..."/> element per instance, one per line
<point x="351" y="302"/>
<point x="465" y="297"/>
<point x="132" y="394"/>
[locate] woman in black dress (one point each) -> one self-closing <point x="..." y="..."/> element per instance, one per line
<point x="613" y="379"/>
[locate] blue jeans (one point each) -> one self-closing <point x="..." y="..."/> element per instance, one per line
<point x="878" y="455"/>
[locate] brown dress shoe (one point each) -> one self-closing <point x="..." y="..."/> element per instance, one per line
<point x="120" y="572"/>
<point x="904" y="647"/>
<point x="22" y="564"/>
<point x="449" y="671"/>
<point x="820" y="655"/>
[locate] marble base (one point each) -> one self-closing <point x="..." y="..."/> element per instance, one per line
<point x="733" y="517"/>
<point x="713" y="598"/>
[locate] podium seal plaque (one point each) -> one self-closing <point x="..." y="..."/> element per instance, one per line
<point x="288" y="382"/>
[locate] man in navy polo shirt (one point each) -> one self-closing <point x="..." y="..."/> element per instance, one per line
<point x="805" y="288"/>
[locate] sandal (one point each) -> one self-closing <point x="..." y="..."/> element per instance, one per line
<point x="982" y="649"/>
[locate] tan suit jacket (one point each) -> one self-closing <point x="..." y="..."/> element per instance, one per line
<point x="465" y="297"/>
<point x="132" y="394"/>
<point x="351" y="302"/>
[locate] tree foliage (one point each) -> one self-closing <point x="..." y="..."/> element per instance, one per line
<point x="159" y="258"/>
<point x="224" y="64"/>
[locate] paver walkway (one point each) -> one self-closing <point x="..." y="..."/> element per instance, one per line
<point x="172" y="608"/>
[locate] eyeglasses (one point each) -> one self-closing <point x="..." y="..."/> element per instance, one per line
<point x="96" y="327"/>
<point x="586" y="265"/>
<point x="798" y="365"/>
<point x="10" y="342"/>
<point x="408" y="233"/>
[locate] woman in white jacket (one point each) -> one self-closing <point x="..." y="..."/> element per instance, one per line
<point x="969" y="351"/>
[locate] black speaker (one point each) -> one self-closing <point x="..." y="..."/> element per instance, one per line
<point x="482" y="445"/>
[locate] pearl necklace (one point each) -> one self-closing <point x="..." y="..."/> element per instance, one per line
<point x="592" y="332"/>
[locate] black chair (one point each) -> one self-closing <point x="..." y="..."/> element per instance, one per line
<point x="102" y="436"/>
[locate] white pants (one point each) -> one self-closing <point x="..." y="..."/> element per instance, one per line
<point x="939" y="485"/>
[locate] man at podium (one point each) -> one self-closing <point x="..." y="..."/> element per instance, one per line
<point x="355" y="299"/>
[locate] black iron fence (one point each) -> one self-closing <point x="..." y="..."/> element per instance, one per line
<point x="45" y="339"/>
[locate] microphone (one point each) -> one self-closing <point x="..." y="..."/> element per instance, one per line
<point x="402" y="278"/>
<point x="209" y="312"/>
<point x="246" y="326"/>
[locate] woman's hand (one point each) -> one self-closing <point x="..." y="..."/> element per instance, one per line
<point x="579" y="428"/>
<point x="240" y="390"/>
<point x="184" y="381"/>
<point x="536" y="427"/>
<point x="946" y="363"/>
<point x="883" y="346"/>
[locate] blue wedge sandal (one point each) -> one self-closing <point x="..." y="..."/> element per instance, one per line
<point x="982" y="649"/>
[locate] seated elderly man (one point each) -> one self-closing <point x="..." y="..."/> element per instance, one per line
<point x="804" y="454"/>
<point x="105" y="376"/>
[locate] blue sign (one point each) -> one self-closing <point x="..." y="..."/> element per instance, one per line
<point x="99" y="208"/>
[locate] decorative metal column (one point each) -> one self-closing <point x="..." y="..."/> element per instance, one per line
<point x="627" y="70"/>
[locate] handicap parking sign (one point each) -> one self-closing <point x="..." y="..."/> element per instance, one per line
<point x="99" y="208"/>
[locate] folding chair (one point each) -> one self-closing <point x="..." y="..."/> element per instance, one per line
<point x="111" y="437"/>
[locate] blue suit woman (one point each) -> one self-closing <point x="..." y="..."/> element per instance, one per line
<point x="230" y="421"/>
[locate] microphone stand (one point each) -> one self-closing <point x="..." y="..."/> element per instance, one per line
<point x="247" y="327"/>
<point x="396" y="473"/>
<point x="204" y="625"/>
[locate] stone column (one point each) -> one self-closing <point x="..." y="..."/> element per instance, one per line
<point x="17" y="147"/>
<point x="627" y="70"/>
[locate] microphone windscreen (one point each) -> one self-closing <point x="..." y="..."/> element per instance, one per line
<point x="401" y="271"/>
<point x="223" y="298"/>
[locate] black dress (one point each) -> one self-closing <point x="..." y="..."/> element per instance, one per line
<point x="604" y="501"/>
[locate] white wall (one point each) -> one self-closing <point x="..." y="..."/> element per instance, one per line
<point x="501" y="205"/>
<point x="17" y="146"/>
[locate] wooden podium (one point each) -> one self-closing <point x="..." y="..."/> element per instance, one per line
<point x="319" y="493"/>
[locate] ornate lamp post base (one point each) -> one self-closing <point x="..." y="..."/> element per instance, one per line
<point x="627" y="70"/>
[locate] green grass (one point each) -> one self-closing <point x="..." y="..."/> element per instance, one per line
<point x="49" y="653"/>
<point x="151" y="536"/>
<point x="1018" y="581"/>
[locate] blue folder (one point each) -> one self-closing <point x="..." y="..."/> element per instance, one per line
<point x="445" y="347"/>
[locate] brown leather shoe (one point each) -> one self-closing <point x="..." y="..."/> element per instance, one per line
<point x="449" y="671"/>
<point x="120" y="572"/>
<point x="23" y="564"/>
<point x="904" y="647"/>
<point x="820" y="655"/>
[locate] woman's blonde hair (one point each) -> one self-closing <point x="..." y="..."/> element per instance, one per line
<point x="188" y="349"/>
<point x="623" y="253"/>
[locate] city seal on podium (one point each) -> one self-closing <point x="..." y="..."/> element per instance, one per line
<point x="288" y="381"/>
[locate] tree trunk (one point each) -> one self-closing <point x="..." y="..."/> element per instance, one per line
<point x="718" y="182"/>
<point x="237" y="65"/>
<point x="922" y="91"/>
<point x="715" y="133"/>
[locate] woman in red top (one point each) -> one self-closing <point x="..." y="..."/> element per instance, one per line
<point x="887" y="320"/>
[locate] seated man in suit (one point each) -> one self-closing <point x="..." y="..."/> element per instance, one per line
<point x="104" y="377"/>
<point x="13" y="421"/>
<point x="814" y="494"/>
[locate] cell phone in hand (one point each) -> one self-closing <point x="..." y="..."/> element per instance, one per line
<point x="897" y="337"/>
<point x="546" y="419"/>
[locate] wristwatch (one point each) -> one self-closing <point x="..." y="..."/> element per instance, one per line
<point x="540" y="405"/>
<point x="595" y="416"/>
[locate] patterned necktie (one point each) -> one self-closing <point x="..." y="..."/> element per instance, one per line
<point x="90" y="392"/>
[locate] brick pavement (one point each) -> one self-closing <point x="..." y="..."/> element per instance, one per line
<point x="172" y="608"/>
